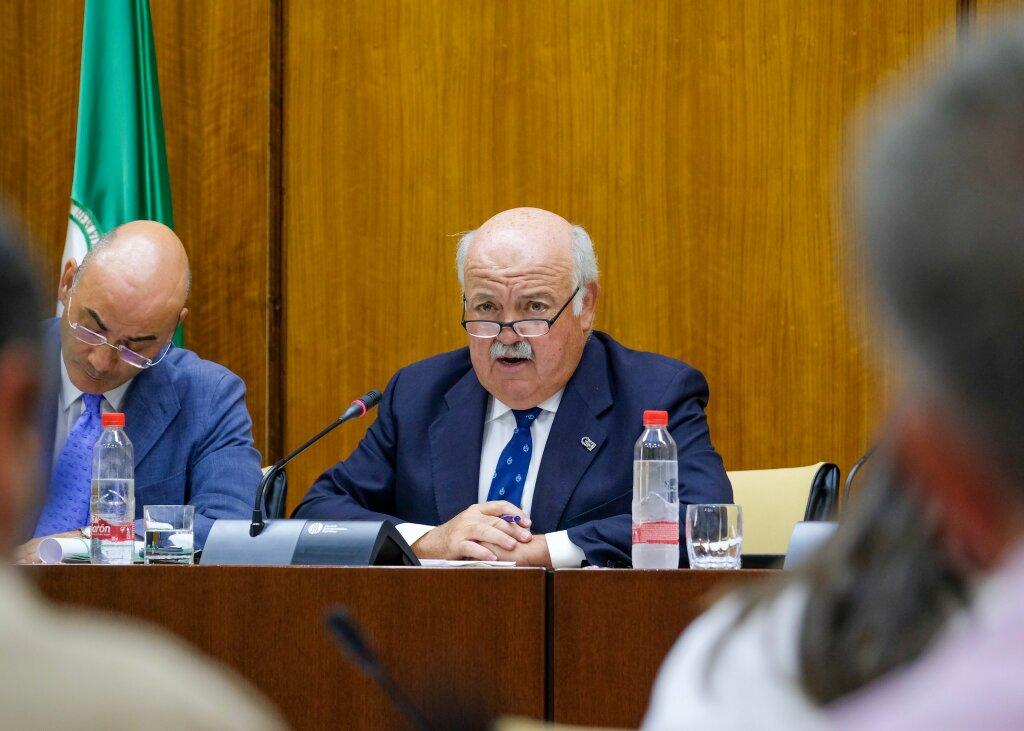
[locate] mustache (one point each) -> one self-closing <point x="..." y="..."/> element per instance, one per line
<point x="520" y="350"/>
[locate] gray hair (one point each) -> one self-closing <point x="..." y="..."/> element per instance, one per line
<point x="584" y="263"/>
<point x="943" y="217"/>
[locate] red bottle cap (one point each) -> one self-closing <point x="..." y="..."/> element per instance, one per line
<point x="114" y="418"/>
<point x="655" y="418"/>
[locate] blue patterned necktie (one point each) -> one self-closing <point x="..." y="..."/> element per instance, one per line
<point x="67" y="507"/>
<point x="514" y="462"/>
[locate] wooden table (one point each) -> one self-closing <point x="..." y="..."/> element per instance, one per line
<point x="454" y="639"/>
<point x="610" y="631"/>
<point x="575" y="646"/>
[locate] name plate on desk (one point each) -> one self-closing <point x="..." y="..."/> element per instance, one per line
<point x="307" y="543"/>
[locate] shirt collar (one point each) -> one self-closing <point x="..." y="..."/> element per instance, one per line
<point x="69" y="393"/>
<point x="498" y="409"/>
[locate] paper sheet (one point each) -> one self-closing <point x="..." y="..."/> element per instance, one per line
<point x="440" y="563"/>
<point x="71" y="550"/>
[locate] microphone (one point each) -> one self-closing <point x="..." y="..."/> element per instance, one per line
<point x="358" y="407"/>
<point x="853" y="473"/>
<point x="347" y="634"/>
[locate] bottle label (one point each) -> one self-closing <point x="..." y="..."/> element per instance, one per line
<point x="101" y="530"/>
<point x="664" y="532"/>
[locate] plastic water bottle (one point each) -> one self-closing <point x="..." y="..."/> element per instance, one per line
<point x="655" y="496"/>
<point x="112" y="511"/>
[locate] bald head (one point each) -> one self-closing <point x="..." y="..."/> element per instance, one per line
<point x="532" y="234"/>
<point x="131" y="288"/>
<point x="147" y="253"/>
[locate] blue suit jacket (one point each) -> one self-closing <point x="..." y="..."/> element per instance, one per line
<point x="191" y="435"/>
<point x="420" y="460"/>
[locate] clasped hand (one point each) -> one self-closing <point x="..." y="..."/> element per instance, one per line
<point x="480" y="533"/>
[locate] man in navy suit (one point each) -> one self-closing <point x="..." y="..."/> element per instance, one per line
<point x="535" y="419"/>
<point x="186" y="417"/>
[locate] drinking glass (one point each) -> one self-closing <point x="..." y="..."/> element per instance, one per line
<point x="169" y="533"/>
<point x="714" y="536"/>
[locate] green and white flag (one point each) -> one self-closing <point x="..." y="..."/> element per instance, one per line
<point x="120" y="157"/>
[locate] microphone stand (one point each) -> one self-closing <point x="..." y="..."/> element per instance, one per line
<point x="357" y="409"/>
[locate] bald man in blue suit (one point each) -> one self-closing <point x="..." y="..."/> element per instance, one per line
<point x="110" y="351"/>
<point x="535" y="419"/>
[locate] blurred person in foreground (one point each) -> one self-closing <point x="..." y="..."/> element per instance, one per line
<point x="873" y="627"/>
<point x="944" y="225"/>
<point x="59" y="668"/>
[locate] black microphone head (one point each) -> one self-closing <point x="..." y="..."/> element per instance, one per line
<point x="361" y="405"/>
<point x="370" y="399"/>
<point x="348" y="634"/>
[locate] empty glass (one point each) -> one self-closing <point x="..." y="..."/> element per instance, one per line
<point x="169" y="533"/>
<point x="714" y="536"/>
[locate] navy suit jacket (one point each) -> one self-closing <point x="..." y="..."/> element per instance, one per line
<point x="191" y="436"/>
<point x="420" y="460"/>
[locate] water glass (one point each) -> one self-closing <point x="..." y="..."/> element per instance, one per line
<point x="169" y="533"/>
<point x="714" y="536"/>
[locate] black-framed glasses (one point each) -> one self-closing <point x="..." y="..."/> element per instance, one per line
<point x="529" y="328"/>
<point x="129" y="356"/>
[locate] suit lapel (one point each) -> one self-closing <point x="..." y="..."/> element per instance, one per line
<point x="455" y="441"/>
<point x="565" y="459"/>
<point x="149" y="407"/>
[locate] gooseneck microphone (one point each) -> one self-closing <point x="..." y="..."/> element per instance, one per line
<point x="853" y="473"/>
<point x="347" y="633"/>
<point x="358" y="407"/>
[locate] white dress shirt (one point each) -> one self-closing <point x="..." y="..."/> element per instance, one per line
<point x="70" y="405"/>
<point x="498" y="427"/>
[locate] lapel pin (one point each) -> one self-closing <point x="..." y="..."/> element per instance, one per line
<point x="588" y="443"/>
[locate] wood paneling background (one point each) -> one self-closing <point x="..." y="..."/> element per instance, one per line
<point x="41" y="47"/>
<point x="696" y="141"/>
<point x="215" y="62"/>
<point x="217" y="67"/>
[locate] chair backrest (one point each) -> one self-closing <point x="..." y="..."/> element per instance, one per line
<point x="774" y="501"/>
<point x="275" y="496"/>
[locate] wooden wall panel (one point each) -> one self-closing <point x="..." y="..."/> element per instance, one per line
<point x="215" y="62"/>
<point x="216" y="71"/>
<point x="41" y="47"/>
<point x="698" y="142"/>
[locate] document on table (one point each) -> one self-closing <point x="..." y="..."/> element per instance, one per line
<point x="440" y="563"/>
<point x="71" y="550"/>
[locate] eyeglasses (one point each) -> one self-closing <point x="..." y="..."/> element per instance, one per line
<point x="129" y="356"/>
<point x="531" y="328"/>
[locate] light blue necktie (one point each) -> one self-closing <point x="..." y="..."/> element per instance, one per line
<point x="67" y="507"/>
<point x="514" y="462"/>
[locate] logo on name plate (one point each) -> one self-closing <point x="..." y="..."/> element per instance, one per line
<point x="315" y="528"/>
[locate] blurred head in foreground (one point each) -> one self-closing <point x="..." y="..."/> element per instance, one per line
<point x="942" y="200"/>
<point x="20" y="315"/>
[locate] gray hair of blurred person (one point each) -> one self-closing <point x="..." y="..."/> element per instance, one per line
<point x="21" y="315"/>
<point x="942" y="218"/>
<point x="21" y="312"/>
<point x="942" y="226"/>
<point x="584" y="263"/>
